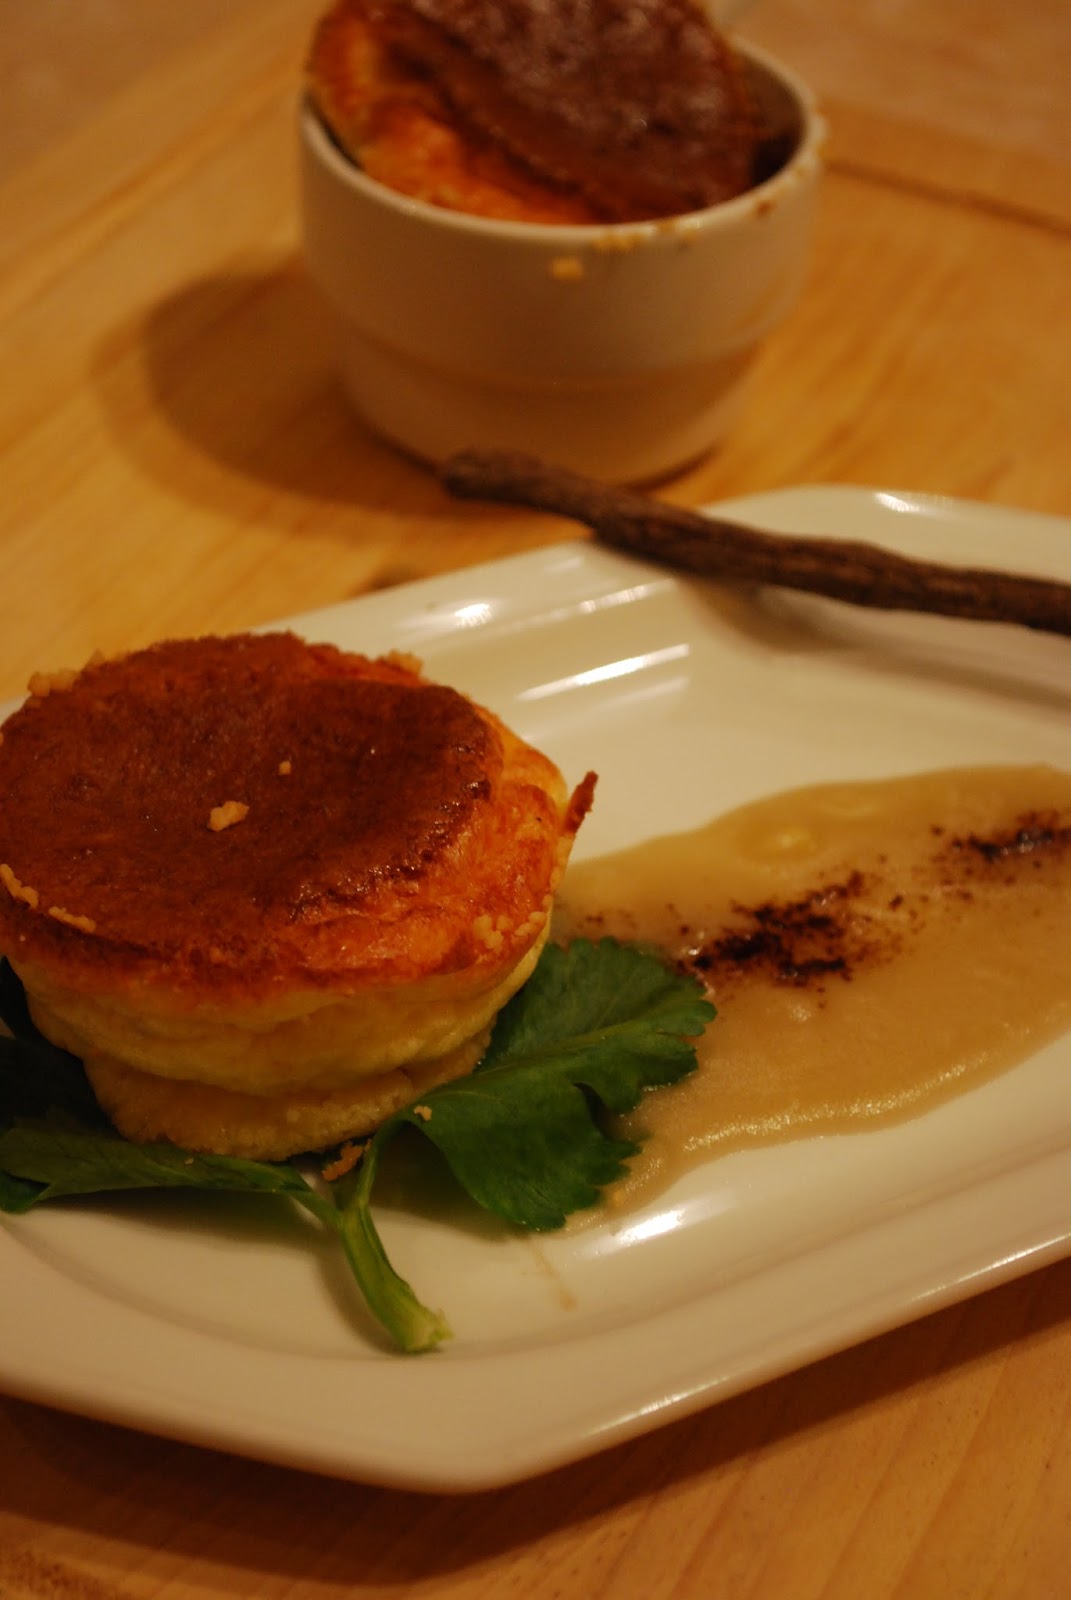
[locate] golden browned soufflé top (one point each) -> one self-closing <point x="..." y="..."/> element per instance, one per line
<point x="539" y="110"/>
<point x="231" y="814"/>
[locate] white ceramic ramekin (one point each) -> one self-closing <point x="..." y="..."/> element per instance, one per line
<point x="617" y="350"/>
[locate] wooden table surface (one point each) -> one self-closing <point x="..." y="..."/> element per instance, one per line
<point x="175" y="456"/>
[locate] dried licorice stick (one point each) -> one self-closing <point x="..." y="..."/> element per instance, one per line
<point x="713" y="547"/>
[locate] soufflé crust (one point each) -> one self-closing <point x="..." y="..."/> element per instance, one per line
<point x="549" y="111"/>
<point x="269" y="891"/>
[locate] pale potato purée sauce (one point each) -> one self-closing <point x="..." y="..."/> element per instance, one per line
<point x="872" y="949"/>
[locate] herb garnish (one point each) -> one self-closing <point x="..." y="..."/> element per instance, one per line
<point x="594" y="1028"/>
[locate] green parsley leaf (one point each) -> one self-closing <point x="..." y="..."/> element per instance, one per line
<point x="71" y="1161"/>
<point x="412" y="1326"/>
<point x="35" y="1079"/>
<point x="596" y="1023"/>
<point x="595" y="1028"/>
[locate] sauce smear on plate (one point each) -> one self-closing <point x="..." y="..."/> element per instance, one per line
<point x="873" y="948"/>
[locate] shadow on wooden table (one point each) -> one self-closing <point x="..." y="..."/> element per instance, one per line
<point x="227" y="1520"/>
<point x="230" y="387"/>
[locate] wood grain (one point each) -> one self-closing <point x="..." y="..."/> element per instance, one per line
<point x="176" y="455"/>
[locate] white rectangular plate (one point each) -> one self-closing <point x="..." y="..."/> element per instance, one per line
<point x="232" y="1327"/>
